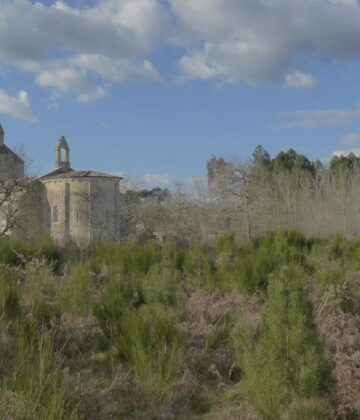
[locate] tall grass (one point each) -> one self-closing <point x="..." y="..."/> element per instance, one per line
<point x="33" y="387"/>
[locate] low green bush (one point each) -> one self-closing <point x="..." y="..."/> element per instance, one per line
<point x="267" y="255"/>
<point x="77" y="290"/>
<point x="15" y="252"/>
<point x="141" y="320"/>
<point x="131" y="257"/>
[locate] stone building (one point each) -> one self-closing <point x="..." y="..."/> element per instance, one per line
<point x="11" y="165"/>
<point x="79" y="207"/>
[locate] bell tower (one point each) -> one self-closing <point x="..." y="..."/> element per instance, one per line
<point x="62" y="153"/>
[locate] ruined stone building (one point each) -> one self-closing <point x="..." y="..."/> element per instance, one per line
<point x="11" y="165"/>
<point x="71" y="206"/>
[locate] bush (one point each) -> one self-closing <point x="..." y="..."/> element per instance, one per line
<point x="199" y="266"/>
<point x="14" y="252"/>
<point x="269" y="254"/>
<point x="285" y="364"/>
<point x="77" y="290"/>
<point x="131" y="257"/>
<point x="142" y="326"/>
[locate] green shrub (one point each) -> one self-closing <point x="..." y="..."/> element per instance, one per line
<point x="131" y="257"/>
<point x="162" y="285"/>
<point x="141" y="324"/>
<point x="199" y="266"/>
<point x="77" y="290"/>
<point x="51" y="253"/>
<point x="225" y="243"/>
<point x="220" y="334"/>
<point x="117" y="294"/>
<point x="14" y="251"/>
<point x="151" y="341"/>
<point x="269" y="254"/>
<point x="286" y="362"/>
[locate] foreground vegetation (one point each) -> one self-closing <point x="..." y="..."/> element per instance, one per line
<point x="141" y="330"/>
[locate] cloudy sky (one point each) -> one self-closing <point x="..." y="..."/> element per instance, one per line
<point x="152" y="88"/>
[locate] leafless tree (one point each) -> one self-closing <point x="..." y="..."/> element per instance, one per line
<point x="12" y="204"/>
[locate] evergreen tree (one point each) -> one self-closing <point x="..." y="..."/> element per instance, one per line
<point x="286" y="369"/>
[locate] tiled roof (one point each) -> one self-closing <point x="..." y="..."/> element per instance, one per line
<point x="66" y="172"/>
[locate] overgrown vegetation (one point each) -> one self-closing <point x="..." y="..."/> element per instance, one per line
<point x="148" y="330"/>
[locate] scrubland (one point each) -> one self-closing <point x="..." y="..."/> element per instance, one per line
<point x="223" y="330"/>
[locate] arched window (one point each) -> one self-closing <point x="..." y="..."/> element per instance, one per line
<point x="55" y="214"/>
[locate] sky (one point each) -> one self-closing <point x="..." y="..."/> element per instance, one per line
<point x="150" y="89"/>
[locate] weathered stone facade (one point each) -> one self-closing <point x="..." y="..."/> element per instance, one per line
<point x="11" y="165"/>
<point x="79" y="207"/>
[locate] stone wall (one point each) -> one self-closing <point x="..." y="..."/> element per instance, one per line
<point x="105" y="195"/>
<point x="10" y="167"/>
<point x="56" y="219"/>
<point x="81" y="210"/>
<point x="33" y="211"/>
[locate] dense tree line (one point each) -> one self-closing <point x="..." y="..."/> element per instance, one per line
<point x="288" y="190"/>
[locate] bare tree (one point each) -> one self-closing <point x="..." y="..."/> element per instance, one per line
<point x="12" y="204"/>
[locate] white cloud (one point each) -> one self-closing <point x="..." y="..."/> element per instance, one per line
<point x="346" y="152"/>
<point x="352" y="145"/>
<point x="317" y="118"/>
<point x="344" y="2"/>
<point x="156" y="180"/>
<point x="78" y="75"/>
<point x="297" y="79"/>
<point x="66" y="79"/>
<point x="257" y="41"/>
<point x="188" y="185"/>
<point x="114" y="70"/>
<point x="147" y="181"/>
<point x="81" y="51"/>
<point x="18" y="106"/>
<point x="352" y="139"/>
<point x="84" y="50"/>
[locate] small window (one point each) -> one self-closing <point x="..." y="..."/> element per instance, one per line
<point x="77" y="215"/>
<point x="55" y="214"/>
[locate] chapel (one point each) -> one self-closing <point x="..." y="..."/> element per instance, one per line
<point x="71" y="206"/>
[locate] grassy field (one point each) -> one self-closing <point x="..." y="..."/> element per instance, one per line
<point x="223" y="331"/>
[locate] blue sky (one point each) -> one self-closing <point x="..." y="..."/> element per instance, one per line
<point x="152" y="88"/>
